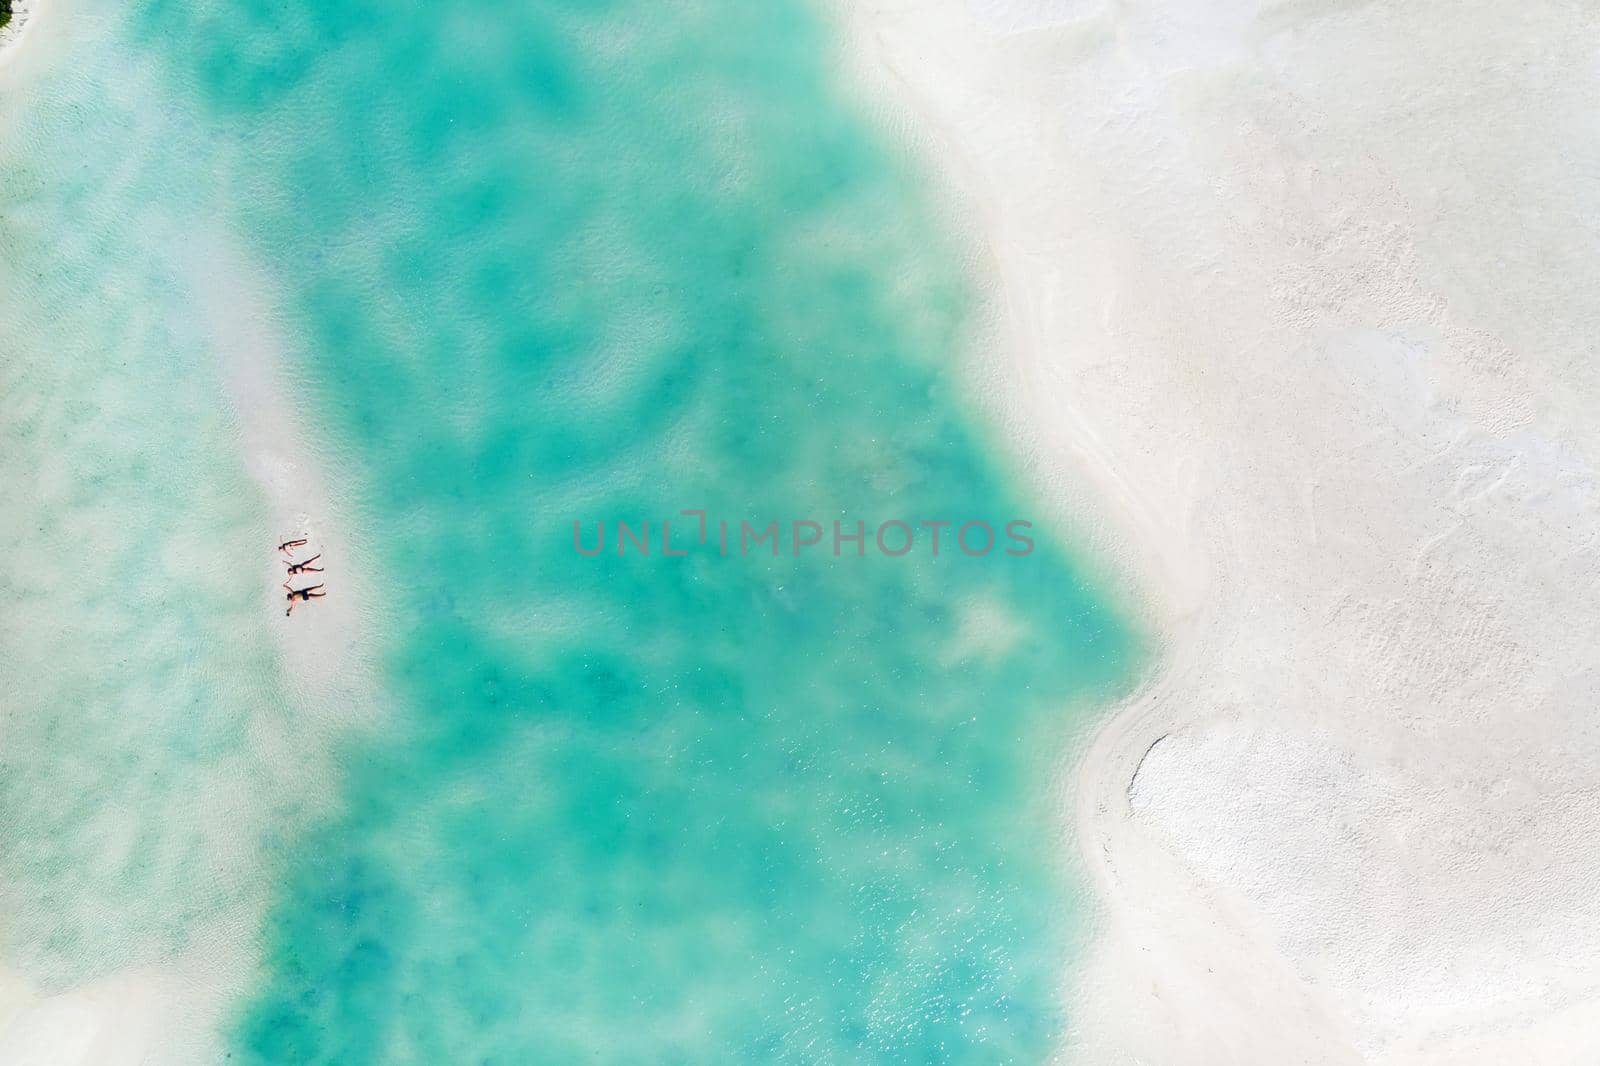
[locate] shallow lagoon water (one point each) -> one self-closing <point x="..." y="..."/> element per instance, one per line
<point x="540" y="263"/>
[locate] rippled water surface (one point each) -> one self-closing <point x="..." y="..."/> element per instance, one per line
<point x="534" y="263"/>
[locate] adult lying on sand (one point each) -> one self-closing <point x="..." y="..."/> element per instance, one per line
<point x="306" y="567"/>
<point x="309" y="593"/>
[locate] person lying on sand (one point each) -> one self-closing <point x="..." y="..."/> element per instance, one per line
<point x="306" y="567"/>
<point x="309" y="593"/>
<point x="290" y="545"/>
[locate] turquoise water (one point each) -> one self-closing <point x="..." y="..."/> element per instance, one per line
<point x="539" y="263"/>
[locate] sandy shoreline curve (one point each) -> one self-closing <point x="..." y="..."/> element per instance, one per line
<point x="1292" y="318"/>
<point x="1298" y="300"/>
<point x="11" y="35"/>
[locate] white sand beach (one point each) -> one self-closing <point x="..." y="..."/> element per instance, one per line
<point x="1293" y="319"/>
<point x="22" y="13"/>
<point x="322" y="650"/>
<point x="1296" y="300"/>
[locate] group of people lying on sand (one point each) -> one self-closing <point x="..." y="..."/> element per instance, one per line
<point x="312" y="592"/>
